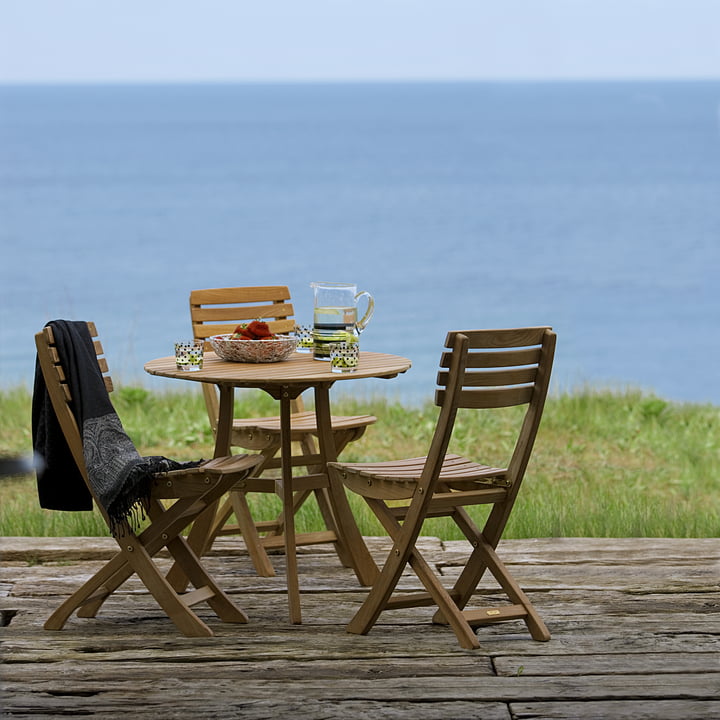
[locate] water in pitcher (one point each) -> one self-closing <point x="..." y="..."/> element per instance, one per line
<point x="332" y="325"/>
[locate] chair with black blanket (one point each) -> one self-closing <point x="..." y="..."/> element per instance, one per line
<point x="89" y="457"/>
<point x="482" y="369"/>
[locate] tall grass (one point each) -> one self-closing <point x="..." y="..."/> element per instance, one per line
<point x="606" y="464"/>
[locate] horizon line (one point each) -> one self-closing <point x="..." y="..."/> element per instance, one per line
<point x="357" y="81"/>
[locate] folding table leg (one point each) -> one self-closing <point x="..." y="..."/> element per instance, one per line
<point x="347" y="530"/>
<point x="293" y="583"/>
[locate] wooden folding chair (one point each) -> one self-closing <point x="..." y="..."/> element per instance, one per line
<point x="192" y="490"/>
<point x="218" y="311"/>
<point x="483" y="369"/>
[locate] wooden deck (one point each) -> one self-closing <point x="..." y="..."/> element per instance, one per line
<point x="635" y="624"/>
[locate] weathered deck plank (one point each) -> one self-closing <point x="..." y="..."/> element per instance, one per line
<point x="635" y="624"/>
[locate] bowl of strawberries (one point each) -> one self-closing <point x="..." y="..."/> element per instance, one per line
<point x="253" y="343"/>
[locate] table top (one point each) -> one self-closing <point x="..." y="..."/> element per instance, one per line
<point x="299" y="369"/>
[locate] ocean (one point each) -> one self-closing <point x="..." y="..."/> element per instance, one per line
<point x="591" y="207"/>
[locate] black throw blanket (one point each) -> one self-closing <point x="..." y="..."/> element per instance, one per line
<point x="120" y="478"/>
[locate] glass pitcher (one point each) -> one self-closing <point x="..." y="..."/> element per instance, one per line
<point x="335" y="316"/>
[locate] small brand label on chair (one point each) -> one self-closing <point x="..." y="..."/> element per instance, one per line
<point x="492" y="612"/>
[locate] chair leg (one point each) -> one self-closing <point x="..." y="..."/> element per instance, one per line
<point x="404" y="552"/>
<point x="135" y="557"/>
<point x="175" y="608"/>
<point x="221" y="517"/>
<point x="139" y="561"/>
<point x="342" y="438"/>
<point x="197" y="537"/>
<point x="447" y="607"/>
<point x="207" y="527"/>
<point x="90" y="594"/>
<point x="253" y="542"/>
<point x="472" y="573"/>
<point x="91" y="607"/>
<point x="483" y="558"/>
<point x="250" y="532"/>
<point x="167" y="523"/>
<point x="152" y="539"/>
<point x="322" y="496"/>
<point x="276" y="527"/>
<point x="224" y="608"/>
<point x="378" y="596"/>
<point x="486" y="556"/>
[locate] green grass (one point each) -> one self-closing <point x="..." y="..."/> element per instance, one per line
<point x="606" y="464"/>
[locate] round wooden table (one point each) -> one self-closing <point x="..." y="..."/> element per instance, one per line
<point x="285" y="381"/>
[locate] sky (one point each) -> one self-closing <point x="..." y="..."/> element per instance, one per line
<point x="48" y="41"/>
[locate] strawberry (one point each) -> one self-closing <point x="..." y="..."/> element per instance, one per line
<point x="259" y="329"/>
<point x="256" y="330"/>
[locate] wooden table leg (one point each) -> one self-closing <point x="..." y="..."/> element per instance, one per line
<point x="226" y="412"/>
<point x="349" y="534"/>
<point x="293" y="584"/>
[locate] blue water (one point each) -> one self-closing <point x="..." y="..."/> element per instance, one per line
<point x="591" y="207"/>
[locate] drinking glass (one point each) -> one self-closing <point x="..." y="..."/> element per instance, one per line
<point x="189" y="355"/>
<point x="304" y="335"/>
<point x="344" y="356"/>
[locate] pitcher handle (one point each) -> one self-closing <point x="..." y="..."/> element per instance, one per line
<point x="368" y="313"/>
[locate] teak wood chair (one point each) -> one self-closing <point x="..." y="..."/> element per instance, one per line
<point x="192" y="490"/>
<point x="217" y="311"/>
<point x="483" y="369"/>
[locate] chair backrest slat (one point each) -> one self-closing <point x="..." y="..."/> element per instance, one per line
<point x="497" y="397"/>
<point x="491" y="397"/>
<point x="491" y="357"/>
<point x="503" y="338"/>
<point x="493" y="378"/>
<point x="219" y="314"/>
<point x="240" y="295"/>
